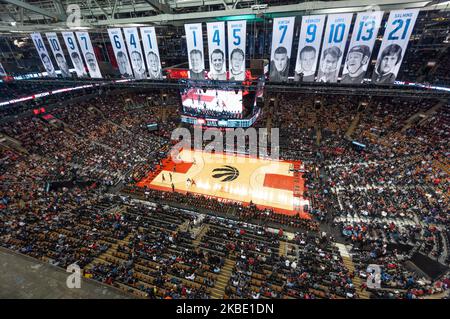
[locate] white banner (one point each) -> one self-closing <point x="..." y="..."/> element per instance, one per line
<point x="74" y="53"/>
<point x="58" y="53"/>
<point x="282" y="34"/>
<point x="333" y="46"/>
<point x="236" y="49"/>
<point x="358" y="56"/>
<point x="216" y="49"/>
<point x="194" y="42"/>
<point x="134" y="48"/>
<point x="150" y="44"/>
<point x="309" y="47"/>
<point x="43" y="54"/>
<point x="120" y="51"/>
<point x="395" y="41"/>
<point x="2" y="71"/>
<point x="89" y="54"/>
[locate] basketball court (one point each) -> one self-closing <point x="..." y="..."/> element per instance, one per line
<point x="267" y="183"/>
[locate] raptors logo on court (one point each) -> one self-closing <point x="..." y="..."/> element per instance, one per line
<point x="229" y="173"/>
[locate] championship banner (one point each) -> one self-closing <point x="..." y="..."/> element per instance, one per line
<point x="236" y="49"/>
<point x="134" y="48"/>
<point x="43" y="54"/>
<point x="2" y="71"/>
<point x="309" y="47"/>
<point x="150" y="44"/>
<point x="89" y="55"/>
<point x="395" y="41"/>
<point x="120" y="51"/>
<point x="282" y="34"/>
<point x="194" y="42"/>
<point x="333" y="46"/>
<point x="216" y="49"/>
<point x="58" y="54"/>
<point x="74" y="53"/>
<point x="361" y="45"/>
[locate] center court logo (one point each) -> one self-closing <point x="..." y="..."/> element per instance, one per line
<point x="226" y="173"/>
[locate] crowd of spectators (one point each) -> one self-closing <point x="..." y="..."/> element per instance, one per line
<point x="392" y="193"/>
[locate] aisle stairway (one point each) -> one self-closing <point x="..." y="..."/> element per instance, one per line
<point x="204" y="229"/>
<point x="283" y="249"/>
<point x="218" y="291"/>
<point x="357" y="281"/>
<point x="353" y="126"/>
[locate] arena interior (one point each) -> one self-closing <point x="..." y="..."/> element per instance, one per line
<point x="349" y="200"/>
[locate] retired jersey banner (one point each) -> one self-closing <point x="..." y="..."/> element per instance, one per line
<point x="194" y="42"/>
<point x="134" y="48"/>
<point x="361" y="45"/>
<point x="395" y="41"/>
<point x="58" y="53"/>
<point x="333" y="46"/>
<point x="89" y="55"/>
<point x="43" y="54"/>
<point x="282" y="35"/>
<point x="309" y="47"/>
<point x="120" y="51"/>
<point x="74" y="53"/>
<point x="216" y="49"/>
<point x="150" y="44"/>
<point x="236" y="49"/>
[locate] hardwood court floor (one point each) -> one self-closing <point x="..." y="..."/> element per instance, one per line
<point x="264" y="182"/>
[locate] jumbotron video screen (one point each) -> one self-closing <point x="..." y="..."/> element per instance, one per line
<point x="196" y="100"/>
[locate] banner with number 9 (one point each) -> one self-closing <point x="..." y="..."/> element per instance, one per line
<point x="309" y="47"/>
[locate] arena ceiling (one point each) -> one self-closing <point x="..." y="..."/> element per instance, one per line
<point x="43" y="15"/>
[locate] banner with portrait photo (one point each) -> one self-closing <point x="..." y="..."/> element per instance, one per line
<point x="2" y="71"/>
<point x="395" y="41"/>
<point x="58" y="53"/>
<point x="120" y="52"/>
<point x="280" y="55"/>
<point x="309" y="47"/>
<point x="151" y="51"/>
<point x="236" y="49"/>
<point x="364" y="34"/>
<point x="194" y="42"/>
<point x="89" y="55"/>
<point x="216" y="49"/>
<point x="74" y="53"/>
<point x="135" y="51"/>
<point x="43" y="54"/>
<point x="333" y="46"/>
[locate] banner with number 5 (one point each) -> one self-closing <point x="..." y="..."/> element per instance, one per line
<point x="89" y="54"/>
<point x="360" y="50"/>
<point x="280" y="56"/>
<point x="236" y="50"/>
<point x="309" y="47"/>
<point x="333" y="46"/>
<point x="395" y="41"/>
